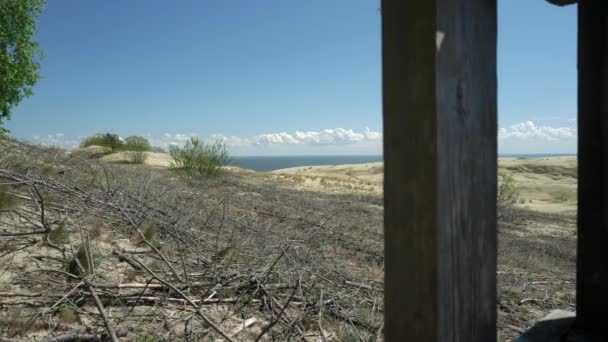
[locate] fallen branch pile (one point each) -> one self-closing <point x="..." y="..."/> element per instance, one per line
<point x="91" y="252"/>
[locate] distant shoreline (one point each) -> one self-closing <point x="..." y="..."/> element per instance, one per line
<point x="274" y="163"/>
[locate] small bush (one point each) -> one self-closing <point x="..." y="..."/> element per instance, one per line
<point x="198" y="158"/>
<point x="151" y="236"/>
<point x="85" y="257"/>
<point x="59" y="234"/>
<point x="67" y="315"/>
<point x="507" y="197"/>
<point x="136" y="157"/>
<point x="103" y="139"/>
<point x="7" y="201"/>
<point x="136" y="143"/>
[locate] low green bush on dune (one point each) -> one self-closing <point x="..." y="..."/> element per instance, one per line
<point x="136" y="157"/>
<point x="199" y="158"/>
<point x="102" y="139"/>
<point x="507" y="197"/>
<point x="136" y="143"/>
<point x="113" y="141"/>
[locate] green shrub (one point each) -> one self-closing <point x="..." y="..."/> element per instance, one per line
<point x="103" y="139"/>
<point x="85" y="257"/>
<point x="67" y="315"/>
<point x="136" y="143"/>
<point x="136" y="157"/>
<point x="7" y="201"/>
<point x="199" y="158"/>
<point x="507" y="197"/>
<point x="59" y="234"/>
<point x="151" y="236"/>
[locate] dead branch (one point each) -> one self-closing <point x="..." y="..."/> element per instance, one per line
<point x="198" y="308"/>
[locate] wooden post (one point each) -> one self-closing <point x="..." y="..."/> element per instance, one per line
<point x="439" y="89"/>
<point x="592" y="259"/>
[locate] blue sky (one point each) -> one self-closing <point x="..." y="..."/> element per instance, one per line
<point x="271" y="76"/>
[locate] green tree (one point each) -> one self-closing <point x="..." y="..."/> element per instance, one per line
<point x="19" y="54"/>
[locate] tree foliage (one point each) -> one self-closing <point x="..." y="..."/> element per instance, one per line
<point x="19" y="54"/>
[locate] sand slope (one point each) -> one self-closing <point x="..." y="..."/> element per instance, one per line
<point x="348" y="177"/>
<point x="544" y="184"/>
<point x="152" y="159"/>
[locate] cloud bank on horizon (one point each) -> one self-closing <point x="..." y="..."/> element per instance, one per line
<point x="520" y="138"/>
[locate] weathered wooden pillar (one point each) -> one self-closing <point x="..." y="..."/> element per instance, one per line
<point x="439" y="88"/>
<point x="592" y="260"/>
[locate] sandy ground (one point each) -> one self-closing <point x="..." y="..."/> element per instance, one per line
<point x="152" y="159"/>
<point x="157" y="159"/>
<point x="341" y="236"/>
<point x="336" y="178"/>
<point x="544" y="184"/>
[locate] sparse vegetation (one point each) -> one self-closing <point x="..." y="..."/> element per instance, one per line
<point x="83" y="256"/>
<point x="134" y="147"/>
<point x="136" y="143"/>
<point x="59" y="234"/>
<point x="67" y="315"/>
<point x="7" y="201"/>
<point x="248" y="234"/>
<point x="151" y="236"/>
<point x="103" y="139"/>
<point x="507" y="197"/>
<point x="19" y="323"/>
<point x="136" y="157"/>
<point x="200" y="158"/>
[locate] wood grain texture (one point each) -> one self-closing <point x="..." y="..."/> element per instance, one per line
<point x="592" y="258"/>
<point x="439" y="99"/>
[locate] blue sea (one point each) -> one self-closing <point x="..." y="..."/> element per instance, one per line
<point x="259" y="163"/>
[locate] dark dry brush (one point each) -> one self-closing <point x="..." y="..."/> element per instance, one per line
<point x="145" y="255"/>
<point x="91" y="250"/>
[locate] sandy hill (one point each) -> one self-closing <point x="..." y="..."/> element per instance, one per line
<point x="544" y="184"/>
<point x="173" y="258"/>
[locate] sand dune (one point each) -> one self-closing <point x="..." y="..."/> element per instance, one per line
<point x="348" y="177"/>
<point x="544" y="184"/>
<point x="152" y="159"/>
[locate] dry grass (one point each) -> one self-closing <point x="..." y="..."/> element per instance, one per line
<point x="302" y="264"/>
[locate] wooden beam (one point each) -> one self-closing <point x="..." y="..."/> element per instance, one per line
<point x="592" y="255"/>
<point x="562" y="2"/>
<point x="439" y="99"/>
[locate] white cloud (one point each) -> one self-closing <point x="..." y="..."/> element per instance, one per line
<point x="330" y="140"/>
<point x="168" y="139"/>
<point x="524" y="137"/>
<point x="528" y="137"/>
<point x="529" y="131"/>
<point x="275" y="138"/>
<point x="325" y="141"/>
<point x="56" y="139"/>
